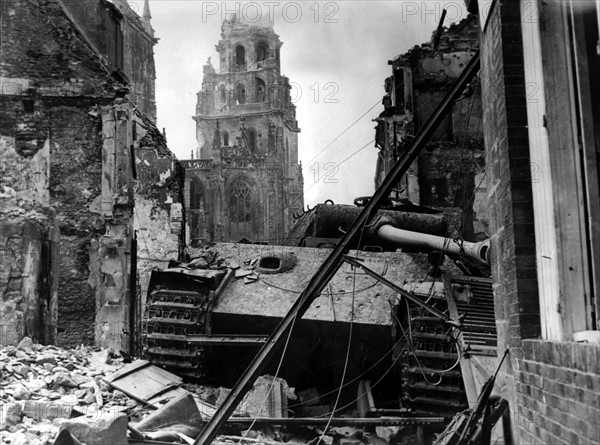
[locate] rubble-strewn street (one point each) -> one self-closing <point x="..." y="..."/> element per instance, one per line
<point x="45" y="390"/>
<point x="44" y="387"/>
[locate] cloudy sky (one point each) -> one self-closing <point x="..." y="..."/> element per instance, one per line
<point x="335" y="54"/>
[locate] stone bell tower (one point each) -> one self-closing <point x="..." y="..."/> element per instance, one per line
<point x="245" y="181"/>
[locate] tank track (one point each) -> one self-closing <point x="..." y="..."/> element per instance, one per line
<point x="424" y="391"/>
<point x="174" y="310"/>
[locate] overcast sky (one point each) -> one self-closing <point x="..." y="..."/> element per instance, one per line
<point x="334" y="53"/>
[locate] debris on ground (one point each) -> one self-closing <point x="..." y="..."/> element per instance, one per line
<point x="54" y="396"/>
<point x="46" y="388"/>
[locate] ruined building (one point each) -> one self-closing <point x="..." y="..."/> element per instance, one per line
<point x="450" y="171"/>
<point x="245" y="181"/>
<point x="88" y="184"/>
<point x="540" y="84"/>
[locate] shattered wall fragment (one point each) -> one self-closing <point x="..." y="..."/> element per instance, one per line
<point x="159" y="217"/>
<point x="449" y="171"/>
<point x="67" y="135"/>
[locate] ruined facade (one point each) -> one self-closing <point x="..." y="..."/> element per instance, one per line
<point x="138" y="61"/>
<point x="450" y="171"/>
<point x="245" y="181"/>
<point x="69" y="185"/>
<point x="540" y="84"/>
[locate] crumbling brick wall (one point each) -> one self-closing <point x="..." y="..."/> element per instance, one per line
<point x="76" y="170"/>
<point x="52" y="86"/>
<point x="71" y="172"/>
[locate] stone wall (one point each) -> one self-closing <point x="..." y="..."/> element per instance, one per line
<point x="159" y="219"/>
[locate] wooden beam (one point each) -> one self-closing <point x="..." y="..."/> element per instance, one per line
<point x="587" y="138"/>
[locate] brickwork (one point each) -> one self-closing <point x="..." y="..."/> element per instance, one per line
<point x="509" y="192"/>
<point x="558" y="393"/>
<point x="509" y="182"/>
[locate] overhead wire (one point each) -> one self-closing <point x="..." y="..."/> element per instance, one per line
<point x="410" y="330"/>
<point x="267" y="219"/>
<point x="385" y="373"/>
<point x="279" y="212"/>
<point x="331" y="293"/>
<point x="344" y="131"/>
<point x="423" y="369"/>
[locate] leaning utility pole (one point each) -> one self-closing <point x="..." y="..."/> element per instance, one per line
<point x="335" y="260"/>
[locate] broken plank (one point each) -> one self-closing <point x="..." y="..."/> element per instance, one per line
<point x="241" y="273"/>
<point x="146" y="383"/>
<point x="127" y="369"/>
<point x="224" y="282"/>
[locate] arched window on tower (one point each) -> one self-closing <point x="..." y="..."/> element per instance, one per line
<point x="225" y="139"/>
<point x="261" y="90"/>
<point x="240" y="93"/>
<point x="262" y="51"/>
<point x="251" y="135"/>
<point x="240" y="57"/>
<point x="240" y="202"/>
<point x="222" y="94"/>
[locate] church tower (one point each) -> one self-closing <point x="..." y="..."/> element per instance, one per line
<point x="245" y="182"/>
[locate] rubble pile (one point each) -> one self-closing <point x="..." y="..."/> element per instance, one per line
<point x="207" y="257"/>
<point x="50" y="395"/>
<point x="42" y="387"/>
